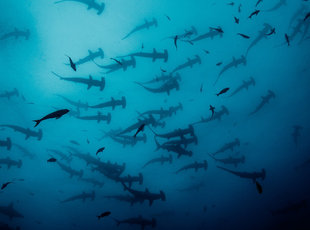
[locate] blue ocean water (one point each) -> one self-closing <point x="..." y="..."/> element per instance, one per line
<point x="182" y="114"/>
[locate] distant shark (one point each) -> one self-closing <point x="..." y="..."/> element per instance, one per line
<point x="265" y="100"/>
<point x="211" y="34"/>
<point x="16" y="33"/>
<point x="9" y="94"/>
<point x="146" y="25"/>
<point x="82" y="197"/>
<point x="123" y="64"/>
<point x="28" y="132"/>
<point x="260" y="36"/>
<point x="154" y="55"/>
<point x="10" y="211"/>
<point x="91" y="4"/>
<point x="90" y="57"/>
<point x="6" y="143"/>
<point x="112" y="103"/>
<point x="234" y="63"/>
<point x="244" y="85"/>
<point x="190" y="63"/>
<point x="90" y="82"/>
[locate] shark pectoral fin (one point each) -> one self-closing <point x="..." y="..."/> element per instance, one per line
<point x="151" y="202"/>
<point x="88" y="86"/>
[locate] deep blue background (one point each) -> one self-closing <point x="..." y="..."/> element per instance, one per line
<point x="266" y="140"/>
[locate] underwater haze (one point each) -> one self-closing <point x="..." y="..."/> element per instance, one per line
<point x="154" y="114"/>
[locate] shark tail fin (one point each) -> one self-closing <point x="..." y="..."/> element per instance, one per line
<point x="157" y="144"/>
<point x="37" y="122"/>
<point x="20" y="163"/>
<point x="101" y="9"/>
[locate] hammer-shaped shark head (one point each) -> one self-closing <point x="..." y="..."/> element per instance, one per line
<point x="263" y="174"/>
<point x="101" y="8"/>
<point x="154" y="223"/>
<point x="108" y="118"/>
<point x="8" y="143"/>
<point x="140" y="179"/>
<point x="40" y="134"/>
<point x="123" y="102"/>
<point x="102" y="83"/>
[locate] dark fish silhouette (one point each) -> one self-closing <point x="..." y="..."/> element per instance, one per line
<point x="244" y="36"/>
<point x="100" y="150"/>
<point x="307" y="16"/>
<point x="259" y="187"/>
<point x="57" y="114"/>
<point x="73" y="66"/>
<point x="222" y="92"/>
<point x="287" y="39"/>
<point x="256" y="12"/>
<point x="236" y="20"/>
<point x="272" y="31"/>
<point x="175" y="41"/>
<point x="141" y="128"/>
<point x="52" y="159"/>
<point x="104" y="214"/>
<point x="212" y="110"/>
<point x="5" y="185"/>
<point x="117" y="61"/>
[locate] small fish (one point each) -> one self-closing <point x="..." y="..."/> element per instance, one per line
<point x="206" y="51"/>
<point x="256" y="12"/>
<point x="142" y="46"/>
<point x="212" y="109"/>
<point x="222" y="91"/>
<point x="272" y="31"/>
<point x="201" y="87"/>
<point x="244" y="36"/>
<point x="231" y="4"/>
<point x="219" y="29"/>
<point x="100" y="150"/>
<point x="87" y="141"/>
<point x="141" y="128"/>
<point x="287" y="39"/>
<point x="117" y="61"/>
<point x="5" y="185"/>
<point x="168" y="17"/>
<point x="73" y="66"/>
<point x="259" y="187"/>
<point x="163" y="70"/>
<point x="104" y="214"/>
<point x="239" y="8"/>
<point x="219" y="63"/>
<point x="175" y="41"/>
<point x="52" y="159"/>
<point x="57" y="114"/>
<point x="307" y="16"/>
<point x="236" y="20"/>
<point x="259" y="1"/>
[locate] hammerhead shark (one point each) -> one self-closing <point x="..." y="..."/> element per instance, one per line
<point x="230" y="160"/>
<point x="125" y="198"/>
<point x="247" y="175"/>
<point x="177" y="133"/>
<point x="176" y="148"/>
<point x="113" y="103"/>
<point x="16" y="33"/>
<point x="127" y="140"/>
<point x="145" y="195"/>
<point x="6" y="143"/>
<point x="161" y="160"/>
<point x="146" y="25"/>
<point x="90" y="57"/>
<point x="163" y="77"/>
<point x="228" y="146"/>
<point x="99" y="117"/>
<point x="92" y="181"/>
<point x="9" y="162"/>
<point x="195" y="165"/>
<point x="127" y="179"/>
<point x="77" y="104"/>
<point x="91" y="4"/>
<point x="28" y="132"/>
<point x="137" y="221"/>
<point x="184" y="141"/>
<point x="10" y="211"/>
<point x="244" y="85"/>
<point x="25" y="151"/>
<point x="189" y="63"/>
<point x="210" y="34"/>
<point x="82" y="197"/>
<point x="217" y="116"/>
<point x="277" y="6"/>
<point x="124" y="64"/>
<point x="61" y="155"/>
<point x="9" y="94"/>
<point x="265" y="100"/>
<point x="90" y="82"/>
<point x="296" y="133"/>
<point x="70" y="171"/>
<point x="260" y="36"/>
<point x="154" y="55"/>
<point x="163" y="113"/>
<point x="234" y="63"/>
<point x="164" y="88"/>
